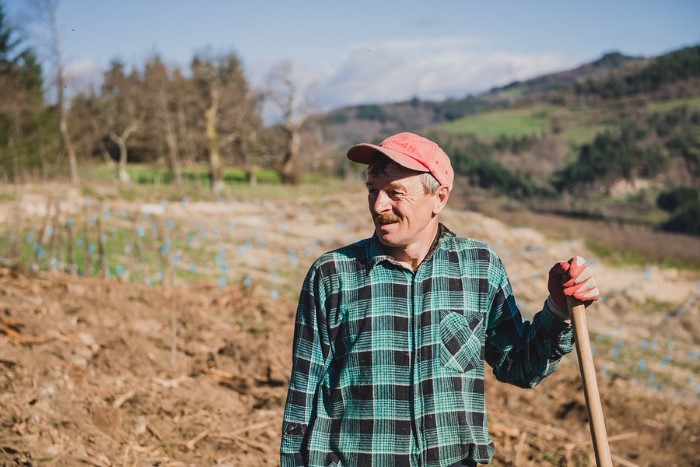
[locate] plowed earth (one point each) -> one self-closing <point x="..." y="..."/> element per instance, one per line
<point x="103" y="371"/>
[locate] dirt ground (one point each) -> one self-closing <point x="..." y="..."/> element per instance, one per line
<point x="105" y="371"/>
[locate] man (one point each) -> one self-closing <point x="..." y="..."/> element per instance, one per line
<point x="392" y="332"/>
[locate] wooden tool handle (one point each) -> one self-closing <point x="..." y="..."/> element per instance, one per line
<point x="590" y="387"/>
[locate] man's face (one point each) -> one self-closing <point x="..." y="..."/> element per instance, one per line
<point x="403" y="213"/>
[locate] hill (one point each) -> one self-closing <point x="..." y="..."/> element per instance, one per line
<point x="612" y="63"/>
<point x="375" y="121"/>
<point x="603" y="140"/>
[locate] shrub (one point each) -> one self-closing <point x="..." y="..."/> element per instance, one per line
<point x="486" y="173"/>
<point x="686" y="220"/>
<point x="672" y="200"/>
<point x="371" y="112"/>
<point x="611" y="156"/>
<point x="687" y="146"/>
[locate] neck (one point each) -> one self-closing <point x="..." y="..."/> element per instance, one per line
<point x="412" y="255"/>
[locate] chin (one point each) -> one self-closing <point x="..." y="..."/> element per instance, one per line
<point x="384" y="241"/>
<point x="387" y="239"/>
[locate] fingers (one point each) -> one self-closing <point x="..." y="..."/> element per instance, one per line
<point x="583" y="291"/>
<point x="559" y="269"/>
<point x="582" y="276"/>
<point x="577" y="266"/>
<point x="577" y="279"/>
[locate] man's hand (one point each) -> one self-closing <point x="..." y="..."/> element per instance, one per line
<point x="571" y="278"/>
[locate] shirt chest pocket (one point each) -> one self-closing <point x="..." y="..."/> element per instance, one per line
<point x="460" y="340"/>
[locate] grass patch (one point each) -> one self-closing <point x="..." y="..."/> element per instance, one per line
<point x="492" y="124"/>
<point x="144" y="251"/>
<point x="665" y="106"/>
<point x="144" y="174"/>
<point x="581" y="133"/>
<point x="88" y="190"/>
<point x="7" y="197"/>
<point x="100" y="240"/>
<point x="576" y="125"/>
<point x="628" y="257"/>
<point x="152" y="184"/>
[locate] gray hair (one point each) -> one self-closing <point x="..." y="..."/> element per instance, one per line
<point x="430" y="183"/>
<point x="380" y="162"/>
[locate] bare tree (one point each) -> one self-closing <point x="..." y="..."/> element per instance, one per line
<point x="84" y="118"/>
<point x="291" y="101"/>
<point x="186" y="116"/>
<point x="243" y="138"/>
<point x="231" y="120"/>
<point x="121" y="111"/>
<point x="162" y="107"/>
<point x="47" y="14"/>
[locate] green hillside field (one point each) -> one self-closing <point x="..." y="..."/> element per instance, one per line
<point x="577" y="125"/>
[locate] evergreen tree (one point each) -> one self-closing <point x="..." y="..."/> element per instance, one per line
<point x="25" y="129"/>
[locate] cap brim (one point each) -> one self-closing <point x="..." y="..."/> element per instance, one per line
<point x="363" y="153"/>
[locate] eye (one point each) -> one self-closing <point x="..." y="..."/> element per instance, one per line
<point x="372" y="192"/>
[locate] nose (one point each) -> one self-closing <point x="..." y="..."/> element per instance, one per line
<point x="380" y="203"/>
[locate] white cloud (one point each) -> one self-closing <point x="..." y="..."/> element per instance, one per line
<point x="80" y="75"/>
<point x="427" y="68"/>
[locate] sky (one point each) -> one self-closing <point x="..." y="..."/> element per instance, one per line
<point x="359" y="51"/>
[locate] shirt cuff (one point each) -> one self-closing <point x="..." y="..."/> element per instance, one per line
<point x="554" y="310"/>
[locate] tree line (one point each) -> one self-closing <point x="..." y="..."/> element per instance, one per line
<point x="666" y="69"/>
<point x="205" y="114"/>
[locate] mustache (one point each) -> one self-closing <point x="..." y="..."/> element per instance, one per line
<point x="387" y="218"/>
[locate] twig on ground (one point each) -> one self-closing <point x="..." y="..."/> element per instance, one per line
<point x="154" y="431"/>
<point x="245" y="429"/>
<point x="118" y="402"/>
<point x="623" y="436"/>
<point x="519" y="449"/>
<point x="569" y="448"/>
<point x="653" y="423"/>
<point x="536" y="428"/>
<point x="169" y="383"/>
<point x="191" y="443"/>
<point x="19" y="338"/>
<point x="224" y="378"/>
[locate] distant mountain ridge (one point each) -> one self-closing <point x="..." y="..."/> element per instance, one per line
<point x="617" y="133"/>
<point x="372" y="122"/>
<point x="609" y="63"/>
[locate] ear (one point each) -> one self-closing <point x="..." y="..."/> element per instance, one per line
<point x="441" y="197"/>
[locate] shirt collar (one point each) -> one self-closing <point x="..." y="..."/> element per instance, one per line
<point x="376" y="253"/>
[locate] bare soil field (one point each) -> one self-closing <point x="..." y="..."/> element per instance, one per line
<point x="118" y="369"/>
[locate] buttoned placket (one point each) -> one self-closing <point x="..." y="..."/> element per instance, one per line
<point x="411" y="278"/>
<point x="416" y="305"/>
<point x="414" y="297"/>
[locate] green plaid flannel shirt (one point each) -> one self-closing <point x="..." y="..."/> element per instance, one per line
<point x="388" y="364"/>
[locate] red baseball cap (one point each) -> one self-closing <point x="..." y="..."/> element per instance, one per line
<point x="411" y="151"/>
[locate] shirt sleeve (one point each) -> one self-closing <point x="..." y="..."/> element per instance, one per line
<point x="310" y="351"/>
<point x="522" y="352"/>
